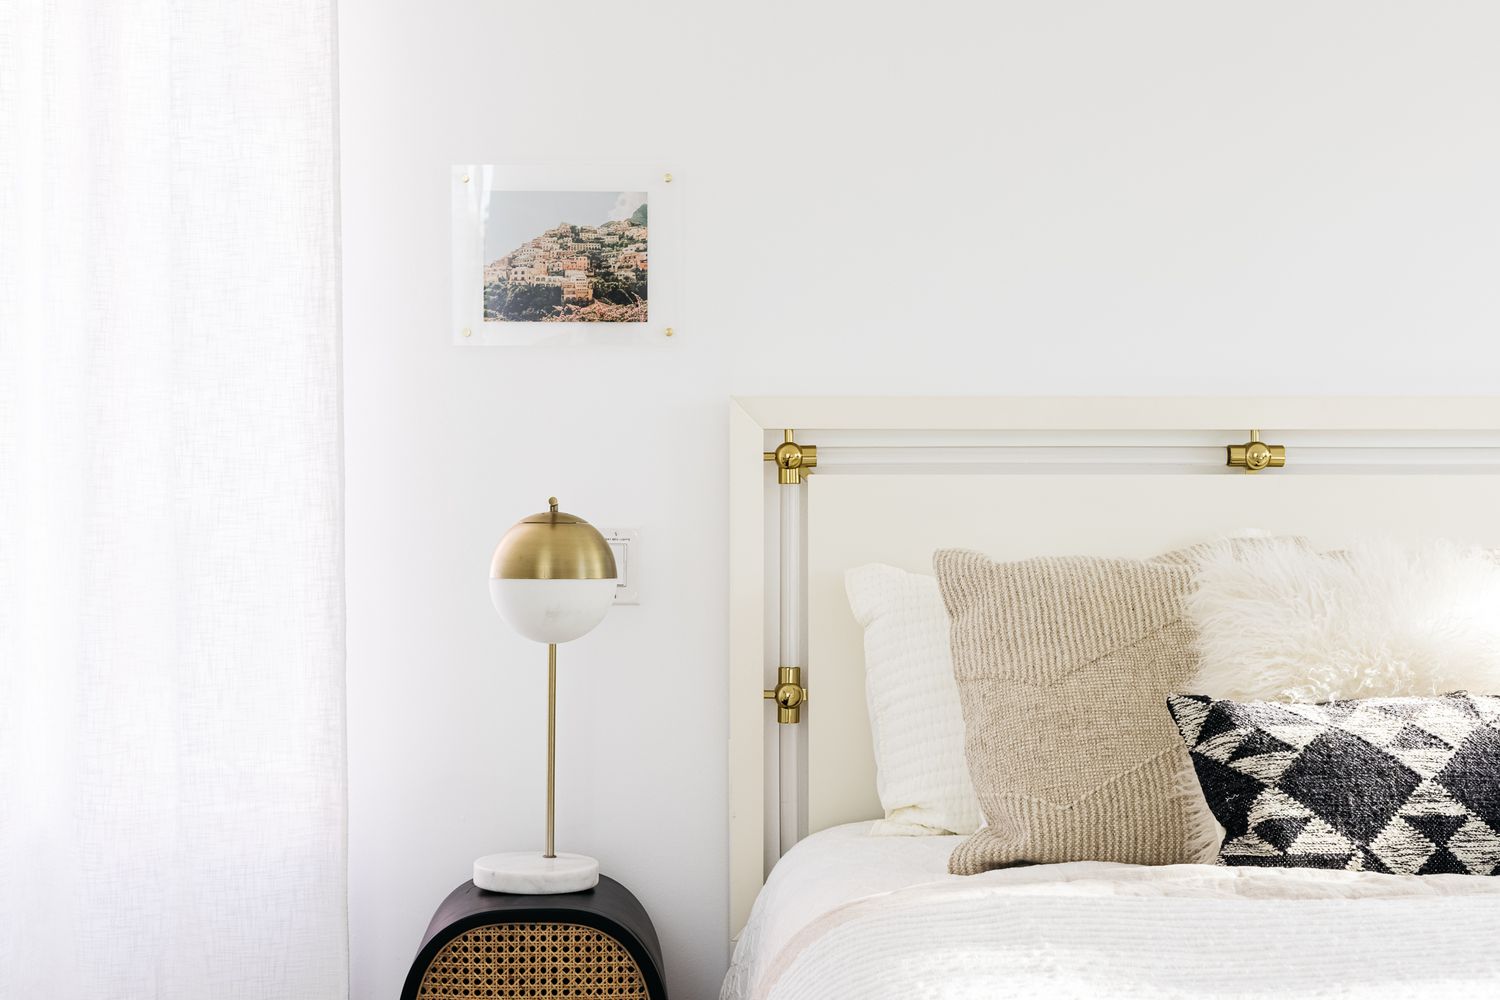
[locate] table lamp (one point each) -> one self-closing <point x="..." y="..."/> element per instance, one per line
<point x="552" y="579"/>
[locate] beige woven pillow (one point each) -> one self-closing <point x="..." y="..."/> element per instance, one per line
<point x="1064" y="666"/>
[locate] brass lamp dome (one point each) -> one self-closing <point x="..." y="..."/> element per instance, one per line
<point x="553" y="545"/>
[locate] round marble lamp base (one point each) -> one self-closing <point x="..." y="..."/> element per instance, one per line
<point x="528" y="873"/>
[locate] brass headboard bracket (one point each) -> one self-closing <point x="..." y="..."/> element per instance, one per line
<point x="793" y="460"/>
<point x="789" y="695"/>
<point x="1254" y="455"/>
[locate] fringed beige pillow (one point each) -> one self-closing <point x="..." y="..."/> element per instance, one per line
<point x="1063" y="667"/>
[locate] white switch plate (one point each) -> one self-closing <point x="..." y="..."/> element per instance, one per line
<point x="626" y="543"/>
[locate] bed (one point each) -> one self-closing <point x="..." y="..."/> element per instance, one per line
<point x="849" y="915"/>
<point x="821" y="908"/>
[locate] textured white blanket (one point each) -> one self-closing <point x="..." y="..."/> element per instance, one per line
<point x="1096" y="930"/>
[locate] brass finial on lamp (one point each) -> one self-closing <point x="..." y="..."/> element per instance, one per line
<point x="553" y="579"/>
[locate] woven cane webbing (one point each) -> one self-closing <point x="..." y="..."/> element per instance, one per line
<point x="541" y="961"/>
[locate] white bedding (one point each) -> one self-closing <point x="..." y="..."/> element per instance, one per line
<point x="846" y="915"/>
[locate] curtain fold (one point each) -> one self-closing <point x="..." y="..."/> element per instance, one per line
<point x="172" y="773"/>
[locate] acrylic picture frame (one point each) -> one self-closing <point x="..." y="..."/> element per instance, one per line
<point x="547" y="255"/>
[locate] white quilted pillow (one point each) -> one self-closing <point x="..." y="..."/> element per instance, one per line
<point x="915" y="719"/>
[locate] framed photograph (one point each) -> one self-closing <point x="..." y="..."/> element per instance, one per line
<point x="565" y="255"/>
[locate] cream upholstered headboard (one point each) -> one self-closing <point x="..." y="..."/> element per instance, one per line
<point x="897" y="478"/>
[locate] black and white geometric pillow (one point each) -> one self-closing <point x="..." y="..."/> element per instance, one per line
<point x="1409" y="786"/>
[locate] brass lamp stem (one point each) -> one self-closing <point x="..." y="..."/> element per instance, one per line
<point x="551" y="850"/>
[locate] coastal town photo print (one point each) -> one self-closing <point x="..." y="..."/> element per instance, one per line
<point x="565" y="257"/>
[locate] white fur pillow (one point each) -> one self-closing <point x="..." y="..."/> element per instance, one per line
<point x="916" y="724"/>
<point x="1279" y="621"/>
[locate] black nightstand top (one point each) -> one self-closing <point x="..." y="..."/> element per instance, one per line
<point x="608" y="907"/>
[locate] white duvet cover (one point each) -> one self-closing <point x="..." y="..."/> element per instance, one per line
<point x="846" y="915"/>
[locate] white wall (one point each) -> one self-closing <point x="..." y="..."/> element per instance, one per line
<point x="1047" y="197"/>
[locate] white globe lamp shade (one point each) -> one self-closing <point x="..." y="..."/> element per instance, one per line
<point x="552" y="610"/>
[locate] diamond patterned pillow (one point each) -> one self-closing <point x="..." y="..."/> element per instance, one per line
<point x="1409" y="786"/>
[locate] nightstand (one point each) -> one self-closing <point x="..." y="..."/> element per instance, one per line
<point x="595" y="943"/>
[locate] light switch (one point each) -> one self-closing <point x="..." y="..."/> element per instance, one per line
<point x="626" y="543"/>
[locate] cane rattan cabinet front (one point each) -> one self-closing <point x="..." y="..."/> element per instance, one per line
<point x="598" y="944"/>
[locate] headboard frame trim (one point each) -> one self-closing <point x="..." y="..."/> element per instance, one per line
<point x="1021" y="457"/>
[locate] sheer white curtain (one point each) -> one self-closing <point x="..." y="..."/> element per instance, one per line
<point x="171" y="596"/>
